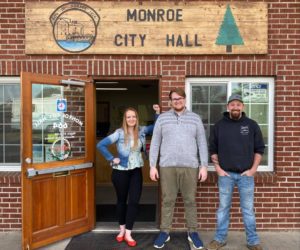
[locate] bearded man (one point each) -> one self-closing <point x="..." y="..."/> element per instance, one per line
<point x="236" y="147"/>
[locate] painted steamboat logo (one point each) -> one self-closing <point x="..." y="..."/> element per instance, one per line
<point x="74" y="26"/>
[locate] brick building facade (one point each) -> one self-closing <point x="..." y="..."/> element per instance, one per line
<point x="277" y="192"/>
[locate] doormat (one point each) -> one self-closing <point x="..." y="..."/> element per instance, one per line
<point x="108" y="213"/>
<point x="106" y="241"/>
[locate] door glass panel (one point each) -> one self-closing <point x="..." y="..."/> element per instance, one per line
<point x="58" y="127"/>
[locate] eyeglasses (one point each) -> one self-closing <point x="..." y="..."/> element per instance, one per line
<point x="177" y="99"/>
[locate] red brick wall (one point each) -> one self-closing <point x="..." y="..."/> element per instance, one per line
<point x="10" y="201"/>
<point x="277" y="194"/>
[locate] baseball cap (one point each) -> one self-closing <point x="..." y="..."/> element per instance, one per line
<point x="235" y="97"/>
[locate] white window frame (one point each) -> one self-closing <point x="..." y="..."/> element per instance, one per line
<point x="6" y="167"/>
<point x="228" y="80"/>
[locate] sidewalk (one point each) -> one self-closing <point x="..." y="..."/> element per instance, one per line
<point x="287" y="240"/>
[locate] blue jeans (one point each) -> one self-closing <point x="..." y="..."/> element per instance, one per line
<point x="245" y="186"/>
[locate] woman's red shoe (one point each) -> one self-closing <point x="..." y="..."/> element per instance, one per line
<point x="131" y="243"/>
<point x="120" y="238"/>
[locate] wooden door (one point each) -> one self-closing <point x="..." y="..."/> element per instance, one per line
<point x="57" y="144"/>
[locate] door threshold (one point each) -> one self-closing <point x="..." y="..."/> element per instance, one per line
<point x="109" y="227"/>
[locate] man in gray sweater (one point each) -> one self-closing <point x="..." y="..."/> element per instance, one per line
<point x="178" y="139"/>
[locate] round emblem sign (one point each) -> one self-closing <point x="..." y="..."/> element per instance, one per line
<point x="60" y="149"/>
<point x="74" y="26"/>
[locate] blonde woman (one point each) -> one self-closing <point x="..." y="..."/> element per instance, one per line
<point x="127" y="177"/>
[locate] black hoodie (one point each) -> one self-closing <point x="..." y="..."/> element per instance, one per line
<point x="235" y="142"/>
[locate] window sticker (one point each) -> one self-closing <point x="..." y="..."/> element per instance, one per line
<point x="61" y="105"/>
<point x="60" y="149"/>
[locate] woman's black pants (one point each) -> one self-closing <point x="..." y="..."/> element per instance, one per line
<point x="128" y="186"/>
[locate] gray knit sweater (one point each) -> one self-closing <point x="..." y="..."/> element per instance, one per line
<point x="179" y="140"/>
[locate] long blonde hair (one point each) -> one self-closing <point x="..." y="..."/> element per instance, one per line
<point x="135" y="129"/>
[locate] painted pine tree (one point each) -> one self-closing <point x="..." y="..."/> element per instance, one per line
<point x="229" y="32"/>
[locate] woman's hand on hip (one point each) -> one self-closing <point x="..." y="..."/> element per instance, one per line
<point x="116" y="161"/>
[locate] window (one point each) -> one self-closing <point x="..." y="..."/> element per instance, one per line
<point x="208" y="98"/>
<point x="58" y="125"/>
<point x="10" y="124"/>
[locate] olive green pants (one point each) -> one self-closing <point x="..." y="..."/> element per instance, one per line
<point x="173" y="180"/>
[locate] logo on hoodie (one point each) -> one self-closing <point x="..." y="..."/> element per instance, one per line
<point x="244" y="130"/>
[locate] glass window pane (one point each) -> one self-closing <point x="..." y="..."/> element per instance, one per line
<point x="11" y="92"/>
<point x="216" y="112"/>
<point x="264" y="160"/>
<point x="218" y="94"/>
<point x="2" y="93"/>
<point x="12" y="154"/>
<point x="10" y="123"/>
<point x="37" y="136"/>
<point x="51" y="90"/>
<point x="7" y="117"/>
<point x="200" y="94"/>
<point x="264" y="130"/>
<point x="206" y="128"/>
<point x="202" y="111"/>
<point x="247" y="110"/>
<point x="8" y="107"/>
<point x="15" y="113"/>
<point x="258" y="93"/>
<point x="38" y="153"/>
<point x="237" y="88"/>
<point x="12" y="135"/>
<point x="1" y="114"/>
<point x="2" y="133"/>
<point x="259" y="113"/>
<point x="58" y="122"/>
<point x="37" y="91"/>
<point x="252" y="92"/>
<point x="1" y="154"/>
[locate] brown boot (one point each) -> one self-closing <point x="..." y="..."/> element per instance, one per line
<point x="255" y="247"/>
<point x="215" y="245"/>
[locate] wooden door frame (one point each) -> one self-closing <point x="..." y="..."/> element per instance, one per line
<point x="137" y="78"/>
<point x="26" y="151"/>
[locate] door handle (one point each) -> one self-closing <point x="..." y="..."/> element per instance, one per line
<point x="28" y="160"/>
<point x="31" y="172"/>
